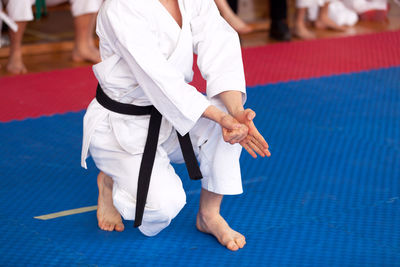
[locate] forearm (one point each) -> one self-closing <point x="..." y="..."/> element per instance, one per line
<point x="214" y="113"/>
<point x="232" y="101"/>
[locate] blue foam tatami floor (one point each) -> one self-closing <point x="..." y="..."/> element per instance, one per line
<point x="328" y="196"/>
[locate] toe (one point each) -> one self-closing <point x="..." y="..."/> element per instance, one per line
<point x="240" y="242"/>
<point x="103" y="226"/>
<point x="119" y="227"/>
<point x="107" y="227"/>
<point x="232" y="246"/>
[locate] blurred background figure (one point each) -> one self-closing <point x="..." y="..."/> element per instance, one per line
<point x="49" y="43"/>
<point x="8" y="21"/>
<point x="336" y="14"/>
<point x="228" y="11"/>
<point x="322" y="20"/>
<point x="279" y="29"/>
<point x="339" y="13"/>
<point x="84" y="12"/>
<point x="372" y="10"/>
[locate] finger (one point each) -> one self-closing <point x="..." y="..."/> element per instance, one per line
<point x="259" y="144"/>
<point x="224" y="134"/>
<point x="255" y="141"/>
<point x="260" y="139"/>
<point x="243" y="137"/>
<point x="248" y="149"/>
<point x="255" y="148"/>
<point x="235" y="136"/>
<point x="228" y="135"/>
<point x="237" y="139"/>
<point x="241" y="134"/>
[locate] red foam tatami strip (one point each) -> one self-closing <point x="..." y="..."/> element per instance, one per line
<point x="48" y="93"/>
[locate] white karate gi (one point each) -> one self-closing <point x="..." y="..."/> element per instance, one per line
<point x="21" y="10"/>
<point x="337" y="11"/>
<point x="147" y="60"/>
<point x="361" y="6"/>
<point x="342" y="15"/>
<point x="310" y="3"/>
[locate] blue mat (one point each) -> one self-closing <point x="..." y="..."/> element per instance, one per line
<point x="328" y="196"/>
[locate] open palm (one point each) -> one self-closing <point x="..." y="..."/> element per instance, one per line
<point x="254" y="142"/>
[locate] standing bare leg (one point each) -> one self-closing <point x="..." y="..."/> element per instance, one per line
<point x="107" y="216"/>
<point x="234" y="20"/>
<point x="15" y="64"/>
<point x="300" y="28"/>
<point x="84" y="49"/>
<point x="210" y="221"/>
<point x="90" y="39"/>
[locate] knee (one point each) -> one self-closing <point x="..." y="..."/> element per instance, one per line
<point x="159" y="211"/>
<point x="166" y="205"/>
<point x="159" y="214"/>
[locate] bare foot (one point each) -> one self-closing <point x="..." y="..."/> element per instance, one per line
<point x="15" y="65"/>
<point x="324" y="22"/>
<point x="81" y="54"/>
<point x="303" y="33"/>
<point x="218" y="227"/>
<point x="107" y="216"/>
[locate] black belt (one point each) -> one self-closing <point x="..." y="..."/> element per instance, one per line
<point x="150" y="148"/>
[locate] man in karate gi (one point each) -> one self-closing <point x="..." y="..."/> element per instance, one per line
<point x="147" y="55"/>
<point x="84" y="12"/>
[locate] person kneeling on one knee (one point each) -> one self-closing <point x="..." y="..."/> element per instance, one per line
<point x="146" y="115"/>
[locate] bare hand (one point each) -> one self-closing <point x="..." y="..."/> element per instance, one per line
<point x="232" y="131"/>
<point x="254" y="143"/>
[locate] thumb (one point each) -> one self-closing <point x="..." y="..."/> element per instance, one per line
<point x="250" y="114"/>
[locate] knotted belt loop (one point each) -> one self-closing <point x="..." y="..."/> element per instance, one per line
<point x="118" y="107"/>
<point x="150" y="148"/>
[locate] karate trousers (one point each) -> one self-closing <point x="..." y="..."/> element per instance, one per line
<point x="219" y="164"/>
<point x="21" y="10"/>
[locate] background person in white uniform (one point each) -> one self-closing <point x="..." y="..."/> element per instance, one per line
<point x="147" y="57"/>
<point x="323" y="21"/>
<point x="84" y="12"/>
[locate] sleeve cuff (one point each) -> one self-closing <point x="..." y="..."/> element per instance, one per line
<point x="227" y="83"/>
<point x="198" y="109"/>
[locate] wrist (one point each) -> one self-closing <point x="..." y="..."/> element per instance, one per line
<point x="235" y="110"/>
<point x="232" y="101"/>
<point x="214" y="113"/>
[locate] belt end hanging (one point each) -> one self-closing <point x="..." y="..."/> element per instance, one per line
<point x="190" y="158"/>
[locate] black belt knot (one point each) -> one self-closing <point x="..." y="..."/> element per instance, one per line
<point x="150" y="148"/>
